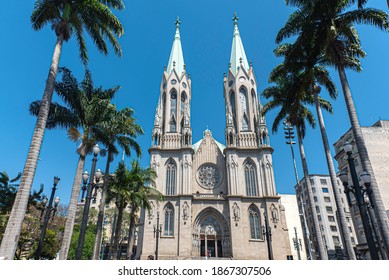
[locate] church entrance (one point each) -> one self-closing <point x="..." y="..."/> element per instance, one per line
<point x="211" y="235"/>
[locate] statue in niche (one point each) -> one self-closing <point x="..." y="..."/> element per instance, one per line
<point x="236" y="213"/>
<point x="274" y="214"/>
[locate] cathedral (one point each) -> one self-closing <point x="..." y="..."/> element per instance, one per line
<point x="220" y="199"/>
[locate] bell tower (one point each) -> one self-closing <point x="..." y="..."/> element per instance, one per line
<point x="172" y="129"/>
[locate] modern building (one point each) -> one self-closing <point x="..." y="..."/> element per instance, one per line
<point x="293" y="220"/>
<point x="377" y="143"/>
<point x="219" y="199"/>
<point x="326" y="213"/>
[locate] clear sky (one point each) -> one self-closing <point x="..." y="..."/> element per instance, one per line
<point x="206" y="33"/>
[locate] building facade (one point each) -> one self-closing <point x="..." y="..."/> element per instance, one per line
<point x="377" y="143"/>
<point x="217" y="196"/>
<point x="327" y="214"/>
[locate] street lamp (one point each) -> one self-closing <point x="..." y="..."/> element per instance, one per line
<point x="89" y="189"/>
<point x="267" y="232"/>
<point x="157" y="235"/>
<point x="297" y="243"/>
<point x="359" y="192"/>
<point x="47" y="211"/>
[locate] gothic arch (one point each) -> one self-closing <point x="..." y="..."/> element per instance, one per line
<point x="255" y="222"/>
<point x="168" y="224"/>
<point x="250" y="174"/>
<point x="171" y="177"/>
<point x="244" y="108"/>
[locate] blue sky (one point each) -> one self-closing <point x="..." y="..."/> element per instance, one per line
<point x="206" y="33"/>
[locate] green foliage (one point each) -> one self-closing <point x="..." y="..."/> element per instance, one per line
<point x="88" y="243"/>
<point x="76" y="17"/>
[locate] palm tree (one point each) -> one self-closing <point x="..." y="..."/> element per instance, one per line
<point x="327" y="28"/>
<point x="289" y="94"/>
<point x="118" y="131"/>
<point x="297" y="59"/>
<point x="142" y="189"/>
<point x="85" y="107"/>
<point x="67" y="17"/>
<point x="134" y="188"/>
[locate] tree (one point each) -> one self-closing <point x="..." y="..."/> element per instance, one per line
<point x="327" y="29"/>
<point x="7" y="191"/>
<point x="289" y="94"/>
<point x="67" y="17"/>
<point x="128" y="187"/>
<point x="84" y="107"/>
<point x="120" y="130"/>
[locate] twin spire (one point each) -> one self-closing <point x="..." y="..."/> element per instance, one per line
<point x="238" y="55"/>
<point x="176" y="59"/>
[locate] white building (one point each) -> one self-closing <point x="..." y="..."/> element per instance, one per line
<point x="377" y="143"/>
<point x="327" y="214"/>
<point x="216" y="195"/>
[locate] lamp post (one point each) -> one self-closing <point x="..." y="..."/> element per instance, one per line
<point x="157" y="235"/>
<point x="267" y="232"/>
<point x="47" y="211"/>
<point x="289" y="136"/>
<point x="359" y="192"/>
<point x="89" y="189"/>
<point x="297" y="243"/>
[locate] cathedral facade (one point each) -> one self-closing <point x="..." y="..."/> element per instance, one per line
<point x="220" y="200"/>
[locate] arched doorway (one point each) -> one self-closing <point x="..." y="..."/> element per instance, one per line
<point x="211" y="233"/>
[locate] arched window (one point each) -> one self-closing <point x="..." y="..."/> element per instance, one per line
<point x="233" y="107"/>
<point x="251" y="180"/>
<point x="173" y="111"/>
<point x="244" y="107"/>
<point x="183" y="99"/>
<point x="163" y="111"/>
<point x="253" y="100"/>
<point x="255" y="225"/>
<point x="170" y="178"/>
<point x="169" y="220"/>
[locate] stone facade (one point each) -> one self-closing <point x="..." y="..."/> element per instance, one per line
<point x="216" y="197"/>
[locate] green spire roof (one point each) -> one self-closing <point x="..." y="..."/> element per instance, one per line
<point x="238" y="54"/>
<point x="176" y="60"/>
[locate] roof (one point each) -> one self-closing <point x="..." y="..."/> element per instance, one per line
<point x="176" y="59"/>
<point x="238" y="54"/>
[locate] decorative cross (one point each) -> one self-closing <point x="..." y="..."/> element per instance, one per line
<point x="235" y="18"/>
<point x="178" y="22"/>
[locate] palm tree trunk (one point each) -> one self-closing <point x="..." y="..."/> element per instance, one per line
<point x="100" y="217"/>
<point x="118" y="229"/>
<point x="67" y="236"/>
<point x="311" y="202"/>
<point x="14" y="225"/>
<point x="379" y="209"/>
<point x="335" y="188"/>
<point x="131" y="240"/>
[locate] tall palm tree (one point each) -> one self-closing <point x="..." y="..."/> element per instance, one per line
<point x="327" y="28"/>
<point x="289" y="94"/>
<point x="120" y="130"/>
<point x="84" y="107"/>
<point x="67" y="17"/>
<point x="297" y="59"/>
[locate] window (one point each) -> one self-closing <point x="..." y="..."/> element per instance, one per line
<point x="327" y="199"/>
<point x="336" y="240"/>
<point x="183" y="99"/>
<point x="251" y="181"/>
<point x="324" y="190"/>
<point x="255" y="227"/>
<point x="170" y="178"/>
<point x="169" y="220"/>
<point x="323" y="181"/>
<point x="333" y="228"/>
<point x="329" y="209"/>
<point x="317" y="209"/>
<point x="318" y="217"/>
<point x="350" y="229"/>
<point x="244" y="108"/>
<point x="353" y="240"/>
<point x="312" y="181"/>
<point x="331" y="218"/>
<point x="173" y="111"/>
<point x="313" y="190"/>
<point x="233" y="106"/>
<point x="315" y="198"/>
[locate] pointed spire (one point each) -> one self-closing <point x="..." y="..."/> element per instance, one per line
<point x="238" y="55"/>
<point x="176" y="60"/>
